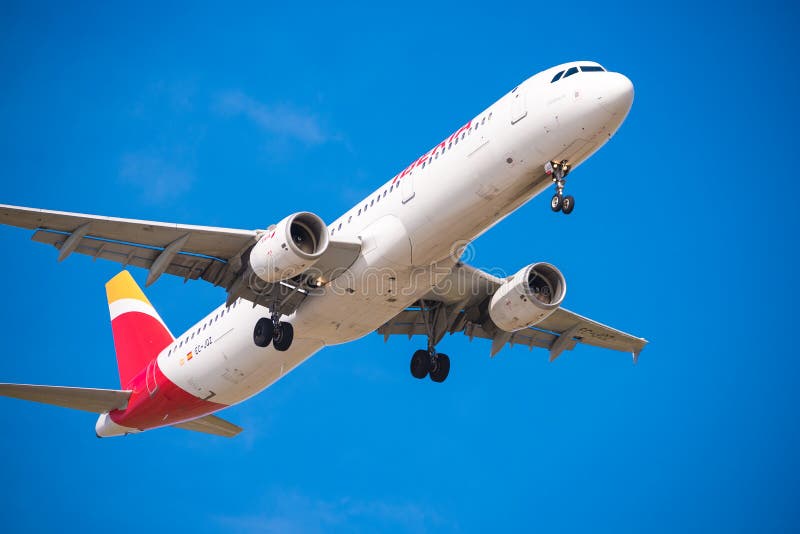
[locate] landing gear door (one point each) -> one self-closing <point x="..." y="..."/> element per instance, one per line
<point x="519" y="108"/>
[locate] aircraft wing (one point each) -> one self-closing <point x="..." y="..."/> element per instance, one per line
<point x="216" y="255"/>
<point x="211" y="424"/>
<point x="458" y="304"/>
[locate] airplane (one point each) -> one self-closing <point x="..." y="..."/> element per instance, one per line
<point x="392" y="264"/>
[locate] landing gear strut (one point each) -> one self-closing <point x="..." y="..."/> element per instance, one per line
<point x="429" y="362"/>
<point x="280" y="333"/>
<point x="559" y="170"/>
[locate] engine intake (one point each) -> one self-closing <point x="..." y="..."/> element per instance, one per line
<point x="290" y="247"/>
<point x="528" y="297"/>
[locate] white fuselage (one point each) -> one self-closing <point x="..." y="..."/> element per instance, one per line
<point x="420" y="218"/>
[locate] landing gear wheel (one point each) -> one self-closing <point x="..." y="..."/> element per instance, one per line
<point x="263" y="331"/>
<point x="283" y="336"/>
<point x="441" y="368"/>
<point x="568" y="205"/>
<point x="557" y="202"/>
<point x="420" y="364"/>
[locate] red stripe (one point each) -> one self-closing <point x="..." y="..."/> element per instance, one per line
<point x="138" y="338"/>
<point x="158" y="402"/>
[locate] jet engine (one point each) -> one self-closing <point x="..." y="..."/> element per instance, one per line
<point x="528" y="297"/>
<point x="289" y="248"/>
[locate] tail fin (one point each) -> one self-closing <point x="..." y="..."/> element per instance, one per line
<point x="139" y="333"/>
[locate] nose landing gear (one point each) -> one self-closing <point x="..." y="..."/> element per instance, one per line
<point x="559" y="170"/>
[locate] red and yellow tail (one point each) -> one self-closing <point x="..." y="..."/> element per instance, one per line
<point x="139" y="333"/>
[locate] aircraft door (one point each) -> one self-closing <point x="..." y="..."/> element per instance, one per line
<point x="407" y="187"/>
<point x="519" y="107"/>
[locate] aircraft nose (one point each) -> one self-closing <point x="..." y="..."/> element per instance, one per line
<point x="617" y="94"/>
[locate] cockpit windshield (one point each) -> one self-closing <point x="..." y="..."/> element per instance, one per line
<point x="574" y="70"/>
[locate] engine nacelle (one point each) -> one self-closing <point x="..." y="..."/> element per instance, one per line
<point x="289" y="248"/>
<point x="528" y="298"/>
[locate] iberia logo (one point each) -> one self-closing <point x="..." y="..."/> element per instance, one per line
<point x="189" y="356"/>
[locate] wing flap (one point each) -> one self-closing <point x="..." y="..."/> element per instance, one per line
<point x="187" y="266"/>
<point x="590" y="332"/>
<point x="205" y="240"/>
<point x="211" y="424"/>
<point x="87" y="399"/>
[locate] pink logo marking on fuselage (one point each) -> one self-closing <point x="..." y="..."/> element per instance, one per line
<point x="428" y="154"/>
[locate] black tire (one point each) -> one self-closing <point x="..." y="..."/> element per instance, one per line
<point x="568" y="205"/>
<point x="283" y="337"/>
<point x="441" y="368"/>
<point x="556" y="202"/>
<point x="263" y="331"/>
<point x="420" y="364"/>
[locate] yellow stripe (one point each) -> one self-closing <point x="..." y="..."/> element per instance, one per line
<point x="123" y="286"/>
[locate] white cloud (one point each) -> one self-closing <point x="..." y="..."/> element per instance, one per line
<point x="293" y="512"/>
<point x="279" y="120"/>
<point x="156" y="179"/>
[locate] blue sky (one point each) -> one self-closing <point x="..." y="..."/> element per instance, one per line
<point x="238" y="114"/>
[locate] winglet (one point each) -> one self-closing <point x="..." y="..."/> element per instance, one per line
<point x="636" y="356"/>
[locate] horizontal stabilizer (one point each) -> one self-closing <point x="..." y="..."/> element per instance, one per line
<point x="87" y="399"/>
<point x="211" y="424"/>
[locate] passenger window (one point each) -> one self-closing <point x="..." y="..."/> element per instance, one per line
<point x="557" y="77"/>
<point x="372" y="203"/>
<point x="359" y="211"/>
<point x="339" y="227"/>
<point x="570" y="72"/>
<point x="490" y="115"/>
<point x="384" y="193"/>
<point x="483" y="120"/>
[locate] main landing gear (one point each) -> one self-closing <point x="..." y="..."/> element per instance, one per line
<point x="559" y="170"/>
<point x="429" y="362"/>
<point x="426" y="362"/>
<point x="280" y="333"/>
